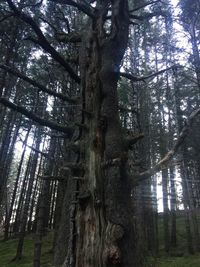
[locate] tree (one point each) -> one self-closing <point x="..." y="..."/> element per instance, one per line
<point x="97" y="212"/>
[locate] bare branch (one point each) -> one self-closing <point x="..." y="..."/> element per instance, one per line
<point x="38" y="85"/>
<point x="131" y="140"/>
<point x="36" y="118"/>
<point x="6" y="17"/>
<point x="72" y="37"/>
<point x="87" y="9"/>
<point x="125" y="109"/>
<point x="149" y="15"/>
<point x="51" y="178"/>
<point x="164" y="161"/>
<point x="48" y="23"/>
<point x="144" y="5"/>
<point x="36" y="4"/>
<point x="43" y="42"/>
<point x="44" y="154"/>
<point x="137" y="78"/>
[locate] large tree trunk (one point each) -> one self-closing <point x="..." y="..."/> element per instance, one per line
<point x="103" y="223"/>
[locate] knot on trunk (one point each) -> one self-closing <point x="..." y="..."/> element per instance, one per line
<point x="112" y="255"/>
<point x="117" y="232"/>
<point x="132" y="138"/>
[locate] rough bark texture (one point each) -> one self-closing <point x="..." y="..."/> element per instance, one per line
<point x="103" y="224"/>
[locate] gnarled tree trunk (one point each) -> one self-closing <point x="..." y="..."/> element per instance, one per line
<point x="103" y="223"/>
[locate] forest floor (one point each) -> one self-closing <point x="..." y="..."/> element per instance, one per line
<point x="185" y="261"/>
<point x="8" y="250"/>
<point x="179" y="257"/>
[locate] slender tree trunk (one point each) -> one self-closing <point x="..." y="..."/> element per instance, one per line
<point x="190" y="242"/>
<point x="20" y="201"/>
<point x="196" y="56"/>
<point x="53" y="201"/>
<point x="43" y="207"/>
<point x="4" y="153"/>
<point x="33" y="201"/>
<point x="7" y="223"/>
<point x="192" y="212"/>
<point x="173" y="240"/>
<point x="28" y="196"/>
<point x="165" y="209"/>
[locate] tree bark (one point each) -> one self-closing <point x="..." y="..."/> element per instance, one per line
<point x="28" y="197"/>
<point x="173" y="239"/>
<point x="103" y="234"/>
<point x="7" y="223"/>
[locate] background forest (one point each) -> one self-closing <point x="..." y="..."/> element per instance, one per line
<point x="46" y="133"/>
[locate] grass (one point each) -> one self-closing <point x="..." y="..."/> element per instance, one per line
<point x="8" y="250"/>
<point x="173" y="261"/>
<point x="180" y="235"/>
<point x="186" y="261"/>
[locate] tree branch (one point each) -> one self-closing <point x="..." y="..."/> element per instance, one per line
<point x="35" y="118"/>
<point x="125" y="109"/>
<point x="33" y="5"/>
<point x="43" y="42"/>
<point x="51" y="178"/>
<point x="137" y="78"/>
<point x="149" y="15"/>
<point x="6" y="17"/>
<point x="164" y="161"/>
<point x="131" y="140"/>
<point x="38" y="85"/>
<point x="48" y="23"/>
<point x="144" y="5"/>
<point x="72" y="37"/>
<point x="87" y="9"/>
<point x="44" y="154"/>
